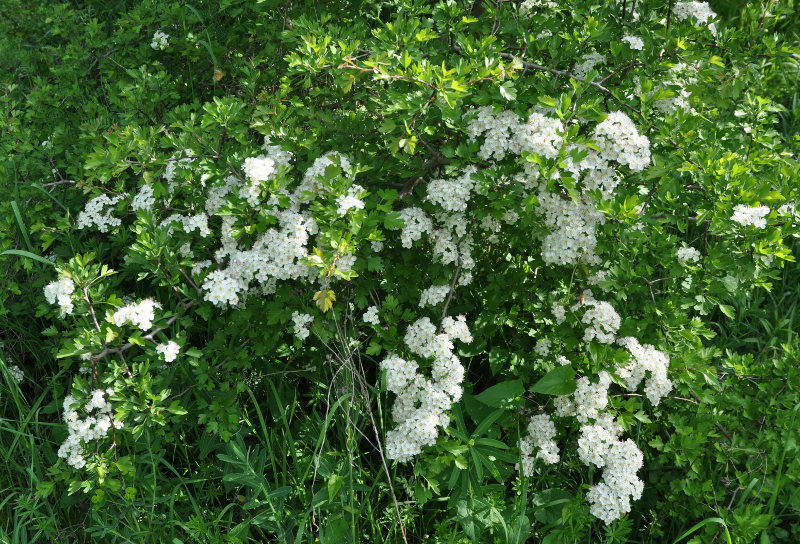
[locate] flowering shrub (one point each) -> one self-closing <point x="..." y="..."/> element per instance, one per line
<point x="516" y="218"/>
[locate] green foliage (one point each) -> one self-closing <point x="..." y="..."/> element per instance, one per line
<point x="255" y="433"/>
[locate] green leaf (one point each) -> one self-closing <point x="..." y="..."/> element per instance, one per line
<point x="393" y="221"/>
<point x="23" y="230"/>
<point x="727" y="310"/>
<point x="502" y="393"/>
<point x="559" y="381"/>
<point x="27" y="254"/>
<point x="508" y="91"/>
<point x="324" y="299"/>
<point x="334" y="485"/>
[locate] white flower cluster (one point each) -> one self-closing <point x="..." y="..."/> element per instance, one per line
<point x="350" y="200"/>
<point x="589" y="399"/>
<point x="433" y="295"/>
<point x="597" y="277"/>
<point x="452" y="195"/>
<point x="301" y="323"/>
<point x="572" y="224"/>
<point x="140" y="314"/>
<point x="680" y="75"/>
<point x="528" y="6"/>
<point x="634" y="42"/>
<point x="94" y="426"/>
<point x="619" y="141"/>
<point x="590" y="60"/>
<point x="421" y="403"/>
<point x="541" y="435"/>
<point x="596" y="439"/>
<point x="144" y="199"/>
<point x="600" y="445"/>
<point x="451" y="243"/>
<point x="160" y="40"/>
<point x="750" y="215"/>
<point x="371" y="316"/>
<point x="646" y="359"/>
<point x="311" y="179"/>
<point x="602" y="319"/>
<point x="173" y="163"/>
<point x="611" y="498"/>
<point x="216" y="194"/>
<point x="559" y="312"/>
<point x="16" y="373"/>
<point x="541" y="135"/>
<point x="169" y="350"/>
<point x="498" y="131"/>
<point x="416" y="223"/>
<point x="543" y="347"/>
<point x="505" y="133"/>
<point x="279" y="253"/>
<point x="687" y="254"/>
<point x="700" y="11"/>
<point x="61" y="291"/>
<point x="98" y="212"/>
<point x="189" y="223"/>
<point x="261" y="169"/>
<point x="788" y="209"/>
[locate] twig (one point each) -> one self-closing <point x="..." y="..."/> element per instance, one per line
<point x="450" y="293"/>
<point x="149" y="336"/>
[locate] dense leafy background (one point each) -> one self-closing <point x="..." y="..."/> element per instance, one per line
<point x="256" y="438"/>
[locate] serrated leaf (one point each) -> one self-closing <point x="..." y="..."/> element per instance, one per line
<point x="324" y="299"/>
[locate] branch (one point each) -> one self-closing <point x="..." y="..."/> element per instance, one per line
<point x="149" y="336"/>
<point x="599" y="86"/>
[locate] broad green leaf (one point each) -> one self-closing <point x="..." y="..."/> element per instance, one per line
<point x="559" y="381"/>
<point x="502" y="393"/>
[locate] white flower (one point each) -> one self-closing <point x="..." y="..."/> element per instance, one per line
<point x="541" y="135"/>
<point x="60" y="291"/>
<point x="433" y="295"/>
<point x="371" y="316"/>
<point x="619" y="141"/>
<point x="687" y="254"/>
<point x="301" y="322"/>
<point x="159" y="40"/>
<point x="700" y="11"/>
<point x="452" y="194"/>
<point x="16" y="373"/>
<point x="602" y="319"/>
<point x="543" y="347"/>
<point x="634" y="42"/>
<point x="646" y="359"/>
<point x="94" y="426"/>
<point x="421" y="404"/>
<point x="572" y="224"/>
<point x="749" y="215"/>
<point x="144" y="199"/>
<point x="559" y="312"/>
<point x="350" y="200"/>
<point x="169" y="350"/>
<point x="498" y="130"/>
<point x="98" y="212"/>
<point x="140" y="314"/>
<point x="590" y="60"/>
<point x="541" y="434"/>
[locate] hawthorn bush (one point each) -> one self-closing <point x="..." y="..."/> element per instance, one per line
<point x="400" y="271"/>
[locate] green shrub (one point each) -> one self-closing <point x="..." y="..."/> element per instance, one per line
<point x="397" y="271"/>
